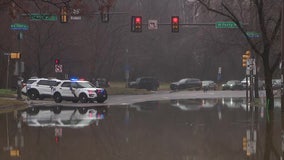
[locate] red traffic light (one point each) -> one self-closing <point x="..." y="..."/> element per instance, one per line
<point x="175" y="23"/>
<point x="57" y="61"/>
<point x="175" y="19"/>
<point x="138" y="20"/>
<point x="136" y="23"/>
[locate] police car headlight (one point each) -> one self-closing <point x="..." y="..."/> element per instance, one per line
<point x="91" y="92"/>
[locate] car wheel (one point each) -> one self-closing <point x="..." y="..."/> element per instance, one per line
<point x="57" y="98"/>
<point x="82" y="110"/>
<point x="33" y="94"/>
<point x="83" y="98"/>
<point x="57" y="110"/>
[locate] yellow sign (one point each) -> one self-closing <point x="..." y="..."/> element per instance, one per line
<point x="14" y="153"/>
<point x="15" y="55"/>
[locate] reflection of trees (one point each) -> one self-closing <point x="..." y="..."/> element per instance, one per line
<point x="269" y="148"/>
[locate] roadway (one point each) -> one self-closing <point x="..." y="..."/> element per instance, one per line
<point x="154" y="96"/>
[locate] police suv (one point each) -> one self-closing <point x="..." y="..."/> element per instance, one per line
<point x="78" y="90"/>
<point x="39" y="87"/>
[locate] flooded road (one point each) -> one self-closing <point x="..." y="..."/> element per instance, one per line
<point x="195" y="129"/>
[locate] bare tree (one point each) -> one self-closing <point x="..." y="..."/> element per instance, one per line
<point x="268" y="23"/>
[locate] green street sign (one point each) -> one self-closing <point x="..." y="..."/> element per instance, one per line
<point x="19" y="26"/>
<point x="43" y="17"/>
<point x="228" y="24"/>
<point x="253" y="34"/>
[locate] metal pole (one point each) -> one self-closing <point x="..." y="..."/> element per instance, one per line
<point x="282" y="57"/>
<point x="7" y="130"/>
<point x="247" y="91"/>
<point x="19" y="85"/>
<point x="282" y="73"/>
<point x="8" y="68"/>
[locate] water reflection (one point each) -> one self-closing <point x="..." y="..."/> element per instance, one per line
<point x="218" y="129"/>
<point x="63" y="117"/>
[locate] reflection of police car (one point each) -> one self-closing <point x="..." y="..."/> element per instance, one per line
<point x="75" y="91"/>
<point x="68" y="117"/>
<point x="187" y="104"/>
<point x="39" y="87"/>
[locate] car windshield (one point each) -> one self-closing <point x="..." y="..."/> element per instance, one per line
<point x="183" y="80"/>
<point x="232" y="82"/>
<point x="207" y="82"/>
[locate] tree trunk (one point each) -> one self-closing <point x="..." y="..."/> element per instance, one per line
<point x="268" y="85"/>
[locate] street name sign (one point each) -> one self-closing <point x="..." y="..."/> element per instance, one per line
<point x="43" y="17"/>
<point x="227" y="24"/>
<point x="75" y="17"/>
<point x="19" y="26"/>
<point x="253" y="34"/>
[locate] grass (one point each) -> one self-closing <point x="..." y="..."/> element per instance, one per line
<point x="8" y="101"/>
<point x="7" y="93"/>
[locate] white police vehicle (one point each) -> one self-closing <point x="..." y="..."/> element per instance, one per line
<point x="39" y="87"/>
<point x="78" y="90"/>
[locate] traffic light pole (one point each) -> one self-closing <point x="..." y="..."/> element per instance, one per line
<point x="8" y="71"/>
<point x="247" y="91"/>
<point x="19" y="68"/>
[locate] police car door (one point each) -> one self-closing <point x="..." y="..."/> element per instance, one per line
<point x="66" y="89"/>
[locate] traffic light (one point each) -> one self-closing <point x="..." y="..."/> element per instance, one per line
<point x="57" y="61"/>
<point x="175" y="24"/>
<point x="245" y="58"/>
<point x="63" y="15"/>
<point x="15" y="55"/>
<point x="244" y="143"/>
<point x="136" y="23"/>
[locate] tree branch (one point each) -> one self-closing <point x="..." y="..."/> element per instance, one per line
<point x="232" y="16"/>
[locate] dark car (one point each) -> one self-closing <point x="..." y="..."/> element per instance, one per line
<point x="232" y="85"/>
<point x="148" y="83"/>
<point x="186" y="83"/>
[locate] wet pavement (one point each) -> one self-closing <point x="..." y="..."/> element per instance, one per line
<point x="179" y="129"/>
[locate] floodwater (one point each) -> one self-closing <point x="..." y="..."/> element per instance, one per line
<point x="198" y="129"/>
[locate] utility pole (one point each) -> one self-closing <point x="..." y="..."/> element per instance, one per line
<point x="282" y="57"/>
<point x="282" y="73"/>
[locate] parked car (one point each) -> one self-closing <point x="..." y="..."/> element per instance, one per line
<point x="261" y="83"/>
<point x="186" y="83"/>
<point x="149" y="83"/>
<point x="75" y="91"/>
<point x="39" y="87"/>
<point x="209" y="85"/>
<point x="276" y="84"/>
<point x="232" y="85"/>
